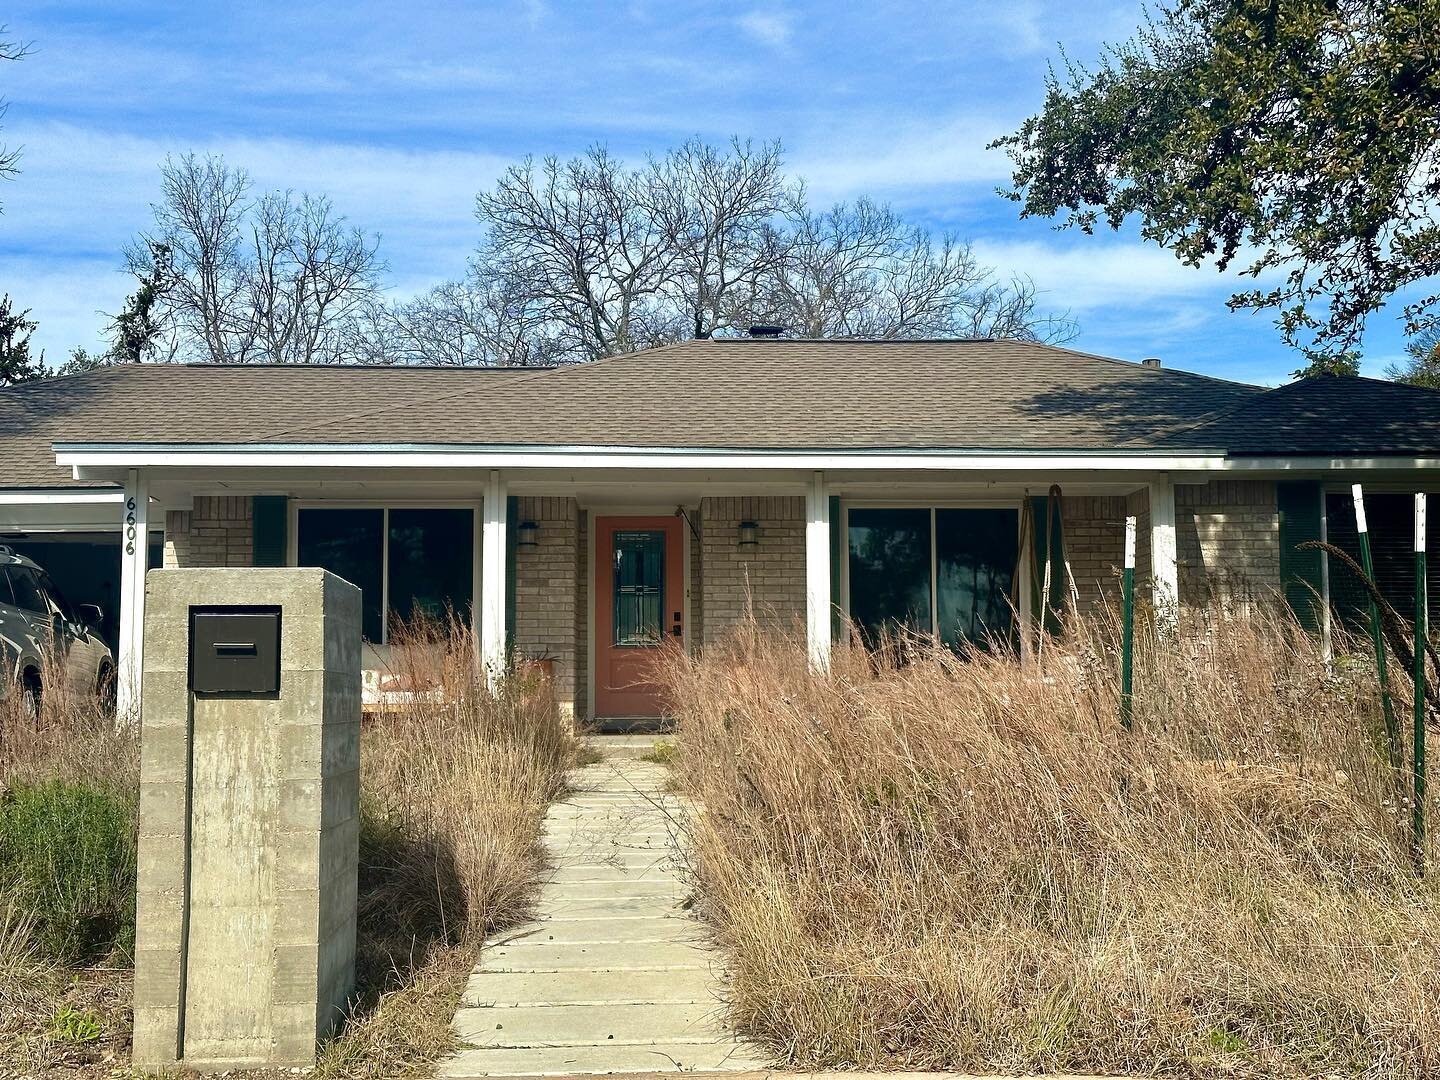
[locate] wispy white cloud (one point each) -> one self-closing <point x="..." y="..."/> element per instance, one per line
<point x="1102" y="273"/>
<point x="871" y="154"/>
<point x="768" y="27"/>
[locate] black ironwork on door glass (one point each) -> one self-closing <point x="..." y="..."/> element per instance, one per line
<point x="639" y="587"/>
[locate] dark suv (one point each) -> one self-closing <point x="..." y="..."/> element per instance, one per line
<point x="42" y="637"/>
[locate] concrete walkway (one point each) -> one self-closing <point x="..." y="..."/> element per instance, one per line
<point x="613" y="976"/>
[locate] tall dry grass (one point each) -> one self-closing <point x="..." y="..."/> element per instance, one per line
<point x="455" y="783"/>
<point x="967" y="864"/>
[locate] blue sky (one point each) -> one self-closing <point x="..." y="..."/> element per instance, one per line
<point x="401" y="112"/>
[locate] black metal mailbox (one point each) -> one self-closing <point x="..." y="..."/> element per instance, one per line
<point x="235" y="650"/>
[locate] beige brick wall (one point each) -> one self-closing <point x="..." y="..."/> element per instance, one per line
<point x="216" y="531"/>
<point x="1227" y="536"/>
<point x="771" y="575"/>
<point x="1095" y="546"/>
<point x="549" y="602"/>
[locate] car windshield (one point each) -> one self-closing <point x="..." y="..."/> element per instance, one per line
<point x="57" y="598"/>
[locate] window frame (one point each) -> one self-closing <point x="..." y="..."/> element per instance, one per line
<point x="475" y="506"/>
<point x="1022" y="572"/>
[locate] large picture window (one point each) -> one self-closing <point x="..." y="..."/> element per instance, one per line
<point x="407" y="562"/>
<point x="922" y="568"/>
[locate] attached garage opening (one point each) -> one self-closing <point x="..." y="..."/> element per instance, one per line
<point x="86" y="568"/>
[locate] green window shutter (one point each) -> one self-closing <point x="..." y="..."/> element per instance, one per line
<point x="512" y="522"/>
<point x="1053" y="605"/>
<point x="270" y="519"/>
<point x="836" y="554"/>
<point x="1299" y="503"/>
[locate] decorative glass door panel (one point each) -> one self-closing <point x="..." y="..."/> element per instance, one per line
<point x="639" y="589"/>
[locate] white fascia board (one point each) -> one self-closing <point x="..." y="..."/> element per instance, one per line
<point x="86" y="457"/>
<point x="91" y="459"/>
<point x="1328" y="464"/>
<point x="61" y="497"/>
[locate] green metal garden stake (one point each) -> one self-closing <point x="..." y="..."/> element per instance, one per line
<point x="1127" y="625"/>
<point x="1377" y="635"/>
<point x="1422" y="630"/>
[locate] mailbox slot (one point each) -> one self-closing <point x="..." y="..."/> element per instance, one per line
<point x="235" y="651"/>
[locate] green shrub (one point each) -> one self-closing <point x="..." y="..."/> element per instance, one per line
<point x="67" y="857"/>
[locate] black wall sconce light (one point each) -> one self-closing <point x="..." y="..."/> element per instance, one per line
<point x="749" y="534"/>
<point x="527" y="534"/>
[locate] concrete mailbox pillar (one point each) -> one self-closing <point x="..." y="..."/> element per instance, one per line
<point x="249" y="816"/>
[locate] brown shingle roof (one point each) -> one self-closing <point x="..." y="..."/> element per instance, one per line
<point x="200" y="403"/>
<point x="786" y="394"/>
<point x="731" y="394"/>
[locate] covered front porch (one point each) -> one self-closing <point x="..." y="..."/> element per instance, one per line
<point x="581" y="567"/>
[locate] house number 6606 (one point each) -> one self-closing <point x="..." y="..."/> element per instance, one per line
<point x="129" y="526"/>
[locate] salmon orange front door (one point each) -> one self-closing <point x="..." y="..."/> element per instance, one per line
<point x="639" y="606"/>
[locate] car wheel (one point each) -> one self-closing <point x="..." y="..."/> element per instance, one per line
<point x="31" y="697"/>
<point x="105" y="687"/>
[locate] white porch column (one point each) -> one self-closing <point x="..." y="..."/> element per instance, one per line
<point x="134" y="560"/>
<point x="817" y="573"/>
<point x="492" y="580"/>
<point x="1164" y="567"/>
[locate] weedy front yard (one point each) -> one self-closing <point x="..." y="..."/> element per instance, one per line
<point x="971" y="866"/>
<point x="455" y="784"/>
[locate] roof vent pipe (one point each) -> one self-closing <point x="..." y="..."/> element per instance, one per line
<point x="764" y="331"/>
<point x="1151" y="361"/>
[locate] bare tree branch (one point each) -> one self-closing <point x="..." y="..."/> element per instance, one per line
<point x="9" y="156"/>
<point x="277" y="279"/>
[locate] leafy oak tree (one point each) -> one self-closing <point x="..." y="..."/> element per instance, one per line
<point x="17" y="362"/>
<point x="1298" y="140"/>
<point x="1422" y="366"/>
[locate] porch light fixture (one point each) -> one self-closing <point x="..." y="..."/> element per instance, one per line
<point x="527" y="534"/>
<point x="749" y="534"/>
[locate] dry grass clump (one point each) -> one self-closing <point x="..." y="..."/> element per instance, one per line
<point x="967" y="864"/>
<point x="455" y="783"/>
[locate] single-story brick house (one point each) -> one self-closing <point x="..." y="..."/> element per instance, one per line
<point x="580" y="514"/>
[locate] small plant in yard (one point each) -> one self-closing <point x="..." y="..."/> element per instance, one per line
<point x="71" y="1025"/>
<point x="67" y="855"/>
<point x="68" y="789"/>
<point x="967" y="864"/>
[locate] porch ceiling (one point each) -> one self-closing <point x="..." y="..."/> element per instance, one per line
<point x="176" y="486"/>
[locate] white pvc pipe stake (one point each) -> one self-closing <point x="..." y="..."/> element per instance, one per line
<point x="1359" y="495"/>
<point x="1130" y="543"/>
